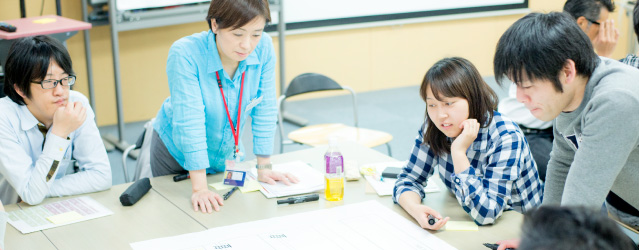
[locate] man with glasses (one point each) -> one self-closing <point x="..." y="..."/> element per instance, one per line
<point x="592" y="18"/>
<point x="45" y="128"/>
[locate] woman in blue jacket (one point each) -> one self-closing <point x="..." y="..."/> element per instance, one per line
<point x="217" y="79"/>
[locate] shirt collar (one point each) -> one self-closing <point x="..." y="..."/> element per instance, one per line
<point x="214" y="63"/>
<point x="27" y="120"/>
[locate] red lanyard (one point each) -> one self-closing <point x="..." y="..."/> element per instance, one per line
<point x="234" y="129"/>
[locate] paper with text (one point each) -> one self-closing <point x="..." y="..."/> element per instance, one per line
<point x="35" y="218"/>
<point x="364" y="225"/>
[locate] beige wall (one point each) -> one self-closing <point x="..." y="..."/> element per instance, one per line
<point x="365" y="59"/>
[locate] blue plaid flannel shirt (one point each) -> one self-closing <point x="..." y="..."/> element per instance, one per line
<point x="631" y="60"/>
<point x="502" y="175"/>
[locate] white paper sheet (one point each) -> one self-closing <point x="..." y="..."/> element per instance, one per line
<point x="385" y="187"/>
<point x="365" y="225"/>
<point x="35" y="218"/>
<point x="311" y="180"/>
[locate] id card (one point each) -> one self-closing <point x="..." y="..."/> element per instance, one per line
<point x="235" y="174"/>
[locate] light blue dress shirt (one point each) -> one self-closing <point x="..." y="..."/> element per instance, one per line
<point x="193" y="123"/>
<point x="25" y="161"/>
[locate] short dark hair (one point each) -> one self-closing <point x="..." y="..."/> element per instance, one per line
<point x="28" y="61"/>
<point x="539" y="46"/>
<point x="578" y="228"/>
<point x="590" y="9"/>
<point x="237" y="13"/>
<point x="635" y="18"/>
<point x="457" y="77"/>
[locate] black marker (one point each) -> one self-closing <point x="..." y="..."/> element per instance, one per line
<point x="181" y="177"/>
<point x="299" y="199"/>
<point x="431" y="220"/>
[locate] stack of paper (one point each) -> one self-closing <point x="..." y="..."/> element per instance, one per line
<point x="310" y="180"/>
<point x="384" y="186"/>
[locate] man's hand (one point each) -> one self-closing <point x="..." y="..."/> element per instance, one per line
<point x="420" y="213"/>
<point x="68" y="118"/>
<point x="470" y="128"/>
<point x="504" y="244"/>
<point x="270" y="176"/>
<point x="606" y="40"/>
<point x="207" y="201"/>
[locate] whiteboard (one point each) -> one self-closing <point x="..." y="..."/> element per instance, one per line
<point x="312" y="10"/>
<point x="147" y="4"/>
<point x="301" y="14"/>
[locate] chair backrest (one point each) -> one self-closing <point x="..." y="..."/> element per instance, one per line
<point x="307" y="83"/>
<point x="310" y="82"/>
<point x="143" y="164"/>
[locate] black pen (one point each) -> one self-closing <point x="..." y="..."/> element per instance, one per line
<point x="229" y="193"/>
<point x="299" y="199"/>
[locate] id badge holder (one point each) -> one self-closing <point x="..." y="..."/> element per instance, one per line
<point x="235" y="173"/>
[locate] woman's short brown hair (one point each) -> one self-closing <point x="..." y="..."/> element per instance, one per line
<point x="457" y="77"/>
<point x="237" y="13"/>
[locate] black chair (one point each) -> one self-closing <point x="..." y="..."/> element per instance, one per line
<point x="318" y="134"/>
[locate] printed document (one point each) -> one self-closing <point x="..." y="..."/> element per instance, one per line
<point x="42" y="217"/>
<point x="310" y="180"/>
<point x="364" y="225"/>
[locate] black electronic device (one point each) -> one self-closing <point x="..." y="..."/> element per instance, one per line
<point x="7" y="27"/>
<point x="135" y="192"/>
<point x="391" y="172"/>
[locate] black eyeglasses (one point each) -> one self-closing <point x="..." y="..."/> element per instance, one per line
<point x="592" y="21"/>
<point x="49" y="84"/>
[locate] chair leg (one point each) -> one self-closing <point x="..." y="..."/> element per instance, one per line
<point x="281" y="146"/>
<point x="389" y="150"/>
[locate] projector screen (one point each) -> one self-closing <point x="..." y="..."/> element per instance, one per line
<point x="301" y="14"/>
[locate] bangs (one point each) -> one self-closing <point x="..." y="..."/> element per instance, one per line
<point x="235" y="14"/>
<point x="444" y="81"/>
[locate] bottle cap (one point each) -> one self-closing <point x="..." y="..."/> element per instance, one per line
<point x="332" y="141"/>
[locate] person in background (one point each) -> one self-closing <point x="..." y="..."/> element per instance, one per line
<point x="45" y="128"/>
<point x="592" y="18"/>
<point x="630" y="59"/>
<point x="481" y="156"/>
<point x="218" y="79"/>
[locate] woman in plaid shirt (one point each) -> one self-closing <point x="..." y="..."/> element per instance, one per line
<point x="481" y="156"/>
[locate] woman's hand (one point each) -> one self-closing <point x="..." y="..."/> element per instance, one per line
<point x="421" y="212"/>
<point x="206" y="201"/>
<point x="470" y="128"/>
<point x="270" y="177"/>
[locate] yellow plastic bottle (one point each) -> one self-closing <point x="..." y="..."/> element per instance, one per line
<point x="334" y="162"/>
